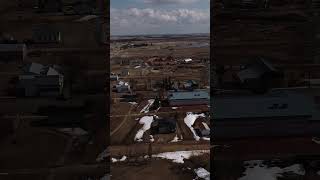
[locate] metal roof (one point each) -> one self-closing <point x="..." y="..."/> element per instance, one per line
<point x="269" y="105"/>
<point x="196" y="94"/>
<point x="12" y="47"/>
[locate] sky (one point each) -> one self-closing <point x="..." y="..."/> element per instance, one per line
<point x="132" y="17"/>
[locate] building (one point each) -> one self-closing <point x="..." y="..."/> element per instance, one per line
<point x="185" y="98"/>
<point x="258" y="75"/>
<point x="46" y="34"/>
<point x="122" y="87"/>
<point x="190" y="85"/>
<point x="114" y="77"/>
<point x="277" y="113"/>
<point x="13" y="52"/>
<point x="40" y="80"/>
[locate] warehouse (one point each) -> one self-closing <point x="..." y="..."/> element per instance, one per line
<point x="185" y="98"/>
<point x="272" y="114"/>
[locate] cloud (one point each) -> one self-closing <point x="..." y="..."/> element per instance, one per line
<point x="171" y="1"/>
<point x="154" y="16"/>
<point x="158" y="21"/>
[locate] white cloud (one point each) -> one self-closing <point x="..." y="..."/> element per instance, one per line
<point x="149" y="19"/>
<point x="171" y="1"/>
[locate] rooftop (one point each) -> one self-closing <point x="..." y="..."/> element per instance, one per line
<point x="196" y="94"/>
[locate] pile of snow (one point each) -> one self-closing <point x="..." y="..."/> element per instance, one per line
<point x="258" y="170"/>
<point x="176" y="139"/>
<point x="179" y="156"/>
<point x="73" y="131"/>
<point x="133" y="103"/>
<point x="202" y="173"/>
<point x="146" y="108"/>
<point x="188" y="60"/>
<point x="102" y="156"/>
<point x="146" y="121"/>
<point x="206" y="138"/>
<point x="151" y="138"/>
<point x="119" y="160"/>
<point x="189" y="121"/>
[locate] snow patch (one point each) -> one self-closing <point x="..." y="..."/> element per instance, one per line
<point x="114" y="160"/>
<point x="206" y="138"/>
<point x="257" y="170"/>
<point x="206" y="126"/>
<point x="175" y="139"/>
<point x="202" y="173"/>
<point x="146" y="108"/>
<point x="174" y="107"/>
<point x="133" y="103"/>
<point x="189" y="121"/>
<point x="146" y="121"/>
<point x="188" y="60"/>
<point x="151" y="138"/>
<point x="179" y="156"/>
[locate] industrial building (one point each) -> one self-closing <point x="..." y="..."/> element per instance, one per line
<point x="277" y="113"/>
<point x="40" y="80"/>
<point x="185" y="98"/>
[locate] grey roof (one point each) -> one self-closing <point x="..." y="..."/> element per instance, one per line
<point x="196" y="94"/>
<point x="256" y="106"/>
<point x="34" y="68"/>
<point x="12" y="47"/>
<point x="255" y="70"/>
<point x="39" y="69"/>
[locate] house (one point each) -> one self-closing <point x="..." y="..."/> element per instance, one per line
<point x="40" y="80"/>
<point x="122" y="87"/>
<point x="185" y="98"/>
<point x="190" y="85"/>
<point x="13" y="52"/>
<point x="114" y="77"/>
<point x="163" y="126"/>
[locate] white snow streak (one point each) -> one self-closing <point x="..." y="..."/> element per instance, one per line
<point x="179" y="156"/>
